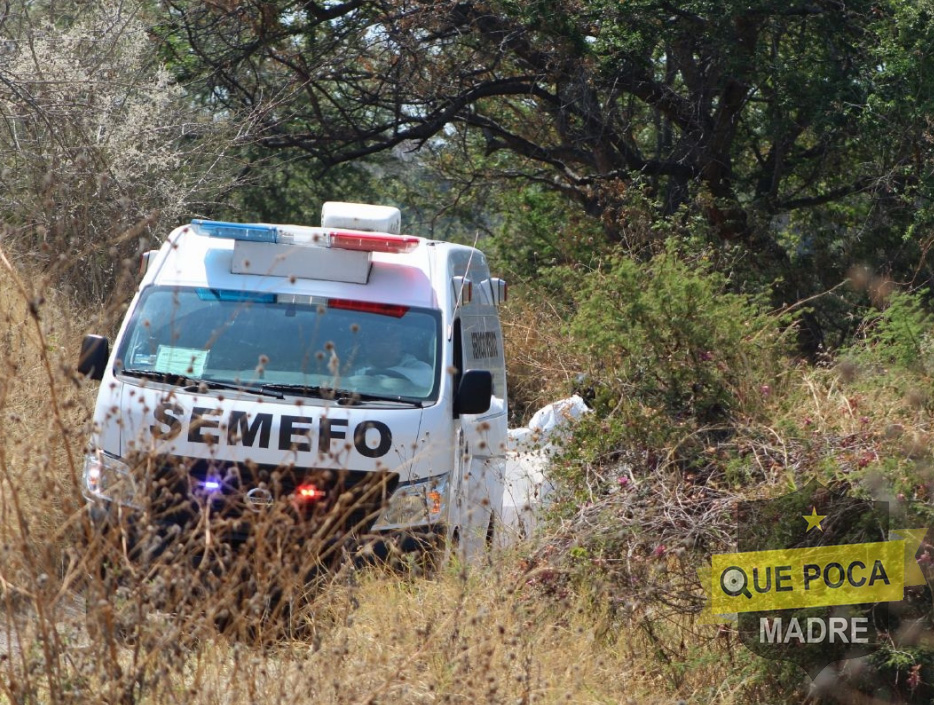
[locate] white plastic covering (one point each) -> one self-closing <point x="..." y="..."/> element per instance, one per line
<point x="530" y="450"/>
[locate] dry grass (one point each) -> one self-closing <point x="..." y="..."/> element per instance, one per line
<point x="446" y="640"/>
<point x="72" y="633"/>
<point x="540" y="366"/>
<point x="520" y="628"/>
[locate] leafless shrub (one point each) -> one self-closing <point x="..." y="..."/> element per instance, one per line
<point x="97" y="141"/>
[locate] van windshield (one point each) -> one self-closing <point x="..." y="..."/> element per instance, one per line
<point x="285" y="341"/>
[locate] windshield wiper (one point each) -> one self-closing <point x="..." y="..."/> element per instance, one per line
<point x="193" y="384"/>
<point x="347" y="396"/>
<point x="303" y="390"/>
<point x="217" y="384"/>
<point x="152" y="374"/>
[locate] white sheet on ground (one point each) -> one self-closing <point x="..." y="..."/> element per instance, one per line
<point x="530" y="450"/>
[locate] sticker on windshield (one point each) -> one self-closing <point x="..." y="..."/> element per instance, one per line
<point x="180" y="361"/>
<point x="144" y="361"/>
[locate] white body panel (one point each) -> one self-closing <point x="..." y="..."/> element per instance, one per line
<point x="417" y="441"/>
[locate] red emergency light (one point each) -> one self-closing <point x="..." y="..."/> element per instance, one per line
<point x="372" y="242"/>
<point x="309" y="493"/>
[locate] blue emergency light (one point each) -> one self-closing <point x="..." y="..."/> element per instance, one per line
<point x="237" y="231"/>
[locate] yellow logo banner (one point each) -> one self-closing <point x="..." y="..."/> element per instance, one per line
<point x="848" y="574"/>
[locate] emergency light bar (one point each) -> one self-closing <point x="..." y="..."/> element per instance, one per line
<point x="356" y="240"/>
<point x="305" y="300"/>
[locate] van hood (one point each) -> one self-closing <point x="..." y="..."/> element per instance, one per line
<point x="239" y="427"/>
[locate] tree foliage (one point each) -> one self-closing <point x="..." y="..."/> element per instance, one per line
<point x="759" y="109"/>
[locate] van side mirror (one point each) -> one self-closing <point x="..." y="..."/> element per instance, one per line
<point x="474" y="392"/>
<point x="95" y="351"/>
<point x="499" y="290"/>
<point x="145" y="260"/>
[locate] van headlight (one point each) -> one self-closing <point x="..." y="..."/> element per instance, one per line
<point x="415" y="504"/>
<point x="108" y="478"/>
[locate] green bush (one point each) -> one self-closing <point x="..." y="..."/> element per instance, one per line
<point x="541" y="229"/>
<point x="677" y="362"/>
<point x="899" y="335"/>
<point x="669" y="335"/>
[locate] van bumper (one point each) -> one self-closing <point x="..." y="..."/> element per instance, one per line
<point x="149" y="540"/>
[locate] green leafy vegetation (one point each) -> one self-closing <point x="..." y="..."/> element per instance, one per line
<point x="900" y="335"/>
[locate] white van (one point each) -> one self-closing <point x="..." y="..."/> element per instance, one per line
<point x="261" y="364"/>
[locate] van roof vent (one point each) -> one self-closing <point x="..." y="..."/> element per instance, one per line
<point x="361" y="216"/>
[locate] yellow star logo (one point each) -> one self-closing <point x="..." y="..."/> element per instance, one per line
<point x="814" y="519"/>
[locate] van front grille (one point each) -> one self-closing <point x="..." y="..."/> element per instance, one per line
<point x="185" y="491"/>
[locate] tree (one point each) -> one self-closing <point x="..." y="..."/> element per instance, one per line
<point x="98" y="143"/>
<point x="796" y="129"/>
